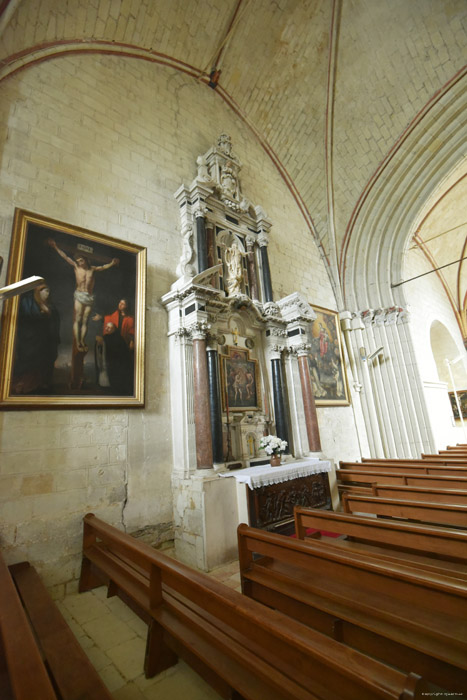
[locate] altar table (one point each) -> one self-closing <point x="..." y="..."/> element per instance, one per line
<point x="272" y="492"/>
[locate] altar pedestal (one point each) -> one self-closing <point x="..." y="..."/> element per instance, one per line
<point x="266" y="497"/>
<point x="210" y="505"/>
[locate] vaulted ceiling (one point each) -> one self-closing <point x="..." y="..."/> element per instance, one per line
<point x="329" y="87"/>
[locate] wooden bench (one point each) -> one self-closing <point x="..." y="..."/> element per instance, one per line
<point x="421" y="493"/>
<point x="377" y="476"/>
<point x="447" y="454"/>
<point x="425" y="512"/>
<point x="42" y="658"/>
<point x="440" y="549"/>
<point x="407" y="468"/>
<point x="414" y="620"/>
<point x="242" y="648"/>
<point x="440" y="460"/>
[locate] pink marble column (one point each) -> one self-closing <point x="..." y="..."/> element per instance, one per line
<point x="252" y="268"/>
<point x="311" y="418"/>
<point x="203" y="439"/>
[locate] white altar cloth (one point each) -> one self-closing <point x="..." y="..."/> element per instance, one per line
<point x="256" y="477"/>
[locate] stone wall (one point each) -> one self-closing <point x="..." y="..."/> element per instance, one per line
<point x="104" y="143"/>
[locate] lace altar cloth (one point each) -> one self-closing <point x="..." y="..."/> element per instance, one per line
<point x="256" y="477"/>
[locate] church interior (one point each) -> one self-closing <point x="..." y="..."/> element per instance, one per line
<point x="233" y="368"/>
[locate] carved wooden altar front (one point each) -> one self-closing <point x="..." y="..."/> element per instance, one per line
<point x="270" y="507"/>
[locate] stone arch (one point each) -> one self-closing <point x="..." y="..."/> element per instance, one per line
<point x="372" y="265"/>
<point x="381" y="224"/>
<point x="445" y="349"/>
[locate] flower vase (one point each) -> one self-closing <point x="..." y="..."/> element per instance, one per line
<point x="275" y="460"/>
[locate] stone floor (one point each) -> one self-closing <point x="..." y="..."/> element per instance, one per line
<point x="114" y="638"/>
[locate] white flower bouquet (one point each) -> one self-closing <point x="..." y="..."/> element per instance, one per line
<point x="272" y="444"/>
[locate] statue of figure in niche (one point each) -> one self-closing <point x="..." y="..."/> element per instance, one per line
<point x="228" y="182"/>
<point x="234" y="279"/>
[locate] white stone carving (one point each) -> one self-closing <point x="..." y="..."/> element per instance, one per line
<point x="184" y="268"/>
<point x="234" y="278"/>
<point x="295" y="307"/>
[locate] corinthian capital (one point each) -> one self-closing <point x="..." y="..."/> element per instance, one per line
<point x="199" y="330"/>
<point x="263" y="239"/>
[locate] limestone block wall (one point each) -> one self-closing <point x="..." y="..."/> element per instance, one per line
<point x="103" y="143"/>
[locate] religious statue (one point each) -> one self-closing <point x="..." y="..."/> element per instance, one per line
<point x="228" y="182"/>
<point x="234" y="279"/>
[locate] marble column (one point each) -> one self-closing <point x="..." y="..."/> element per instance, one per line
<point x="282" y="428"/>
<point x="267" y="285"/>
<point x="252" y="268"/>
<point x="311" y="417"/>
<point x="215" y="405"/>
<point x="211" y="253"/>
<point x="201" y="239"/>
<point x="203" y="434"/>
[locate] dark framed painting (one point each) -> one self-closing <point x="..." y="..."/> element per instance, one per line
<point x="77" y="339"/>
<point x="462" y="396"/>
<point x="240" y="381"/>
<point x="326" y="360"/>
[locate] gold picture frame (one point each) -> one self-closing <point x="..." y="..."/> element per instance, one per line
<point x="239" y="381"/>
<point x="326" y="360"/>
<point x="78" y="339"/>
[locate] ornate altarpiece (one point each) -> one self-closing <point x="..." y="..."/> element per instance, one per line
<point x="238" y="366"/>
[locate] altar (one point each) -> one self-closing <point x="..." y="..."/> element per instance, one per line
<point x="239" y="371"/>
<point x="266" y="496"/>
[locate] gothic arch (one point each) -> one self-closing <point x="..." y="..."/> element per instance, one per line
<point x="382" y="222"/>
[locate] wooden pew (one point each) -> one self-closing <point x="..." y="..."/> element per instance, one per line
<point x="414" y="541"/>
<point x="441" y="460"/>
<point x="42" y="658"/>
<point x="23" y="673"/>
<point x="420" y="493"/>
<point x="411" y="493"/>
<point x="447" y="454"/>
<point x="370" y="476"/>
<point x="408" y="468"/>
<point x="411" y="619"/>
<point x="243" y="649"/>
<point x="426" y="512"/>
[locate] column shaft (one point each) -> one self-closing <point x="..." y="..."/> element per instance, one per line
<point x="202" y="245"/>
<point x="311" y="417"/>
<point x="266" y="274"/>
<point x="252" y="273"/>
<point x="282" y="429"/>
<point x="215" y="406"/>
<point x="202" y="409"/>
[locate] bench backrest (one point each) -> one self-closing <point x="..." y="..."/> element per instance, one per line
<point x="421" y="493"/>
<point x="441" y="460"/>
<point x="27" y="675"/>
<point x="288" y="659"/>
<point x="428" y="512"/>
<point x="412" y="596"/>
<point x="408" y="468"/>
<point x="380" y="476"/>
<point x="427" y="540"/>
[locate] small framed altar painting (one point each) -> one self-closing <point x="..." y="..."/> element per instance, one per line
<point x="326" y="360"/>
<point x="240" y="381"/>
<point x="76" y="339"/>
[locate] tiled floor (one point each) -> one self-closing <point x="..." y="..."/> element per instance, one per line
<point x="114" y="639"/>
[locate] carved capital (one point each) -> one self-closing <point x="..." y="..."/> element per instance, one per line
<point x="199" y="330"/>
<point x="275" y="351"/>
<point x="384" y="317"/>
<point x="263" y="239"/>
<point x="199" y="209"/>
<point x="302" y="349"/>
